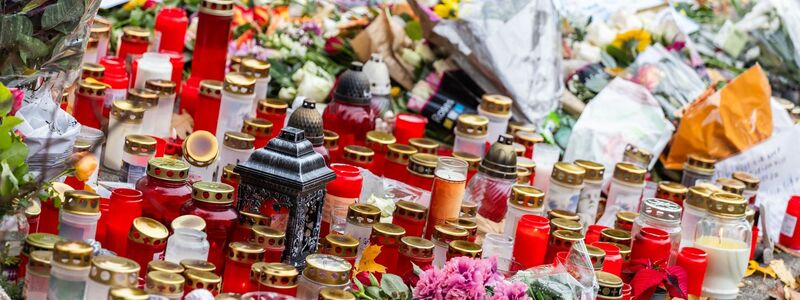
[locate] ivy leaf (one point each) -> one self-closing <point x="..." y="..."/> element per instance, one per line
<point x="414" y="30"/>
<point x="6" y="100"/>
<point x="393" y="286"/>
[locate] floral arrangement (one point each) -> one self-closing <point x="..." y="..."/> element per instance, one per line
<point x="649" y="276"/>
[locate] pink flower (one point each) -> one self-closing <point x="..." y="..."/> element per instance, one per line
<point x="16" y="104"/>
<point x="430" y="284"/>
<point x="506" y="290"/>
<point x="460" y="278"/>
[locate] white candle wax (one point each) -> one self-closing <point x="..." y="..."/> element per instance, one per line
<point x="727" y="262"/>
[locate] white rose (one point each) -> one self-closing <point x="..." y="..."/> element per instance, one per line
<point x="586" y="52"/>
<point x="425" y="52"/>
<point x="600" y="34"/>
<point x="314" y="87"/>
<point x="411" y="57"/>
<point x="287" y="93"/>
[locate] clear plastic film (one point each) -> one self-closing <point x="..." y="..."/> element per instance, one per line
<point x="574" y="279"/>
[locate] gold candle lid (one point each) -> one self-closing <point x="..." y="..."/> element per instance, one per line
<point x="272" y="106"/>
<point x="567" y="173"/>
<point x="189" y="221"/>
<point x="751" y="182"/>
<point x="278" y="275"/>
<point x="399" y="153"/>
<point x="731" y="185"/>
<point x="472" y="160"/>
<point x="83" y="203"/>
<point x="339" y="245"/>
<point x="468" y="225"/>
<point x="464" y="248"/>
<point x="211" y="88"/>
<point x="335" y="294"/>
<point x="135" y="34"/>
<point x="331" y="139"/>
<point x="144" y="97"/>
<point x="164" y="284"/>
<point x="469" y="209"/>
<point x="629" y="173"/>
<point x="160" y="86"/>
<point x="596" y="255"/>
<point x="257" y="127"/>
<point x="257" y="271"/>
<point x="148" y="231"/>
<point x="359" y="213"/>
<point x="34" y="209"/>
<point x="127" y="111"/>
<point x="379" y="140"/>
<point x="245" y="252"/>
<point x="697" y="196"/>
<point x="523" y="175"/>
<point x="357" y="153"/>
<point x="413" y="246"/>
<point x="92" y="70"/>
<point x="127" y="293"/>
<point x="138" y="144"/>
<point x="566" y="236"/>
<point x="514" y="127"/>
<point x="519" y="149"/>
<point x="39" y="262"/>
<point x="497" y="105"/>
<point x="91" y="89"/>
<point x="72" y="254"/>
<point x="726" y="205"/>
<point x="212" y="192"/>
<point x="528" y="138"/>
<point x="610" y="285"/>
<point x="228" y="296"/>
<point x="168" y="169"/>
<point x="202" y="280"/>
<point x="446" y="233"/>
<point x="228" y="174"/>
<point x="750" y="215"/>
<point x="101" y="29"/>
<point x="638" y="155"/>
<point x="39" y="241"/>
<point x="672" y="191"/>
<point x="624" y="251"/>
<point x="471" y="125"/>
<point x="198" y="264"/>
<point x="327" y="269"/>
<point x="594" y="171"/>
<point x="114" y="271"/>
<point x="255" y="68"/>
<point x="422" y="164"/>
<point x="216" y="7"/>
<point x="268" y="237"/>
<point x="612" y="235"/>
<point x="410" y="210"/>
<point x="526" y="197"/>
<point x="625" y="218"/>
<point x="239" y="83"/>
<point x="424" y="145"/>
<point x="200" y="149"/>
<point x="238" y="140"/>
<point x="700" y="164"/>
<point x="249" y="219"/>
<point x="164" y="266"/>
<point x="388" y="234"/>
<point x="558" y="213"/>
<point x="236" y="61"/>
<point x="564" y="224"/>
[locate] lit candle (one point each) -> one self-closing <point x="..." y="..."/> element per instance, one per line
<point x="727" y="261"/>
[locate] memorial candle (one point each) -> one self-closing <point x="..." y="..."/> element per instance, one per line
<point x="449" y="183"/>
<point x="532" y="234"/>
<point x="213" y="33"/>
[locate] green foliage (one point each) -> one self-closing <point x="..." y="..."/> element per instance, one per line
<point x="414" y="30"/>
<point x="12" y="288"/>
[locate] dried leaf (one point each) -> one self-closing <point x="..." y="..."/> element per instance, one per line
<point x="367" y="262"/>
<point x="791" y="294"/>
<point x="753" y="267"/>
<point x="783" y="273"/>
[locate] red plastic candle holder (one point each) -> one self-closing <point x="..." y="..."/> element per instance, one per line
<point x="694" y="261"/>
<point x="613" y="260"/>
<point x="532" y="234"/>
<point x="650" y="244"/>
<point x="409" y="126"/>
<point x="170" y="28"/>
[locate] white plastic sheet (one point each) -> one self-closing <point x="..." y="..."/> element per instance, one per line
<point x="50" y="134"/>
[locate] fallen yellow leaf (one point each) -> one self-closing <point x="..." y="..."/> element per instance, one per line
<point x="753" y="267"/>
<point x="784" y="274"/>
<point x="367" y="262"/>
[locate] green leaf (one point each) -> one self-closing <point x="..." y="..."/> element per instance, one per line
<point x="5" y="131"/>
<point x="32" y="47"/>
<point x="137" y="17"/>
<point x="416" y="269"/>
<point x="8" y="182"/>
<point x="374" y="292"/>
<point x="393" y="286"/>
<point x="13" y="28"/>
<point x="359" y="285"/>
<point x="6" y="100"/>
<point x="15" y="155"/>
<point x="62" y="11"/>
<point x="372" y="280"/>
<point x="414" y="30"/>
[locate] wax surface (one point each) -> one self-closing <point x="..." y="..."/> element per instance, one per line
<point x="727" y="262"/>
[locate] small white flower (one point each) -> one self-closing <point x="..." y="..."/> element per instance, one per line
<point x="411" y="57"/>
<point x="600" y="34"/>
<point x="424" y="51"/>
<point x="587" y="52"/>
<point x="287" y="93"/>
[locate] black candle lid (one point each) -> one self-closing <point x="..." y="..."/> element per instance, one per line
<point x="353" y="86"/>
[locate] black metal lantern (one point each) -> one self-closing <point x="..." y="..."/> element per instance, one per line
<point x="289" y="174"/>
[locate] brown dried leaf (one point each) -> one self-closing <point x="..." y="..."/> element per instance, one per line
<point x="783" y="273"/>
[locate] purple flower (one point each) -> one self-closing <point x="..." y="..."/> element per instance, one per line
<point x="311" y="26"/>
<point x="507" y="290"/>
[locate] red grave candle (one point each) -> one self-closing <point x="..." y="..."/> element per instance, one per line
<point x="212" y="201"/>
<point x="378" y="141"/>
<point x="170" y="29"/>
<point x="89" y="99"/>
<point x="164" y="189"/>
<point x="613" y="259"/>
<point x="342" y="246"/>
<point x="414" y="250"/>
<point x="276" y="277"/>
<point x="197" y="279"/>
<point x="102" y="223"/>
<point x="48" y="219"/>
<point x="409" y="126"/>
<point x="231" y="178"/>
<point x="561" y="258"/>
<point x="125" y="205"/>
<point x="411" y="217"/>
<point x="396" y="161"/>
<point x="342" y="191"/>
<point x="32" y="214"/>
<point x="134" y="42"/>
<point x="147" y="240"/>
<point x="388" y="237"/>
<point x="272" y="240"/>
<point x="790" y="232"/>
<point x="237" y="267"/>
<point x="243" y="231"/>
<point x="694" y="261"/>
<point x="208" y="100"/>
<point x="359" y="156"/>
<point x="260" y="129"/>
<point x="189" y="91"/>
<point x="560" y="240"/>
<point x="532" y="234"/>
<point x="115" y="76"/>
<point x="273" y="110"/>
<point x="593" y="233"/>
<point x="650" y="244"/>
<point x="349" y="113"/>
<point x="420" y="171"/>
<point x="213" y="34"/>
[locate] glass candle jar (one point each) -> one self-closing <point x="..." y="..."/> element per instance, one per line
<point x="612" y="262"/>
<point x="201" y="280"/>
<point x="664" y="215"/>
<point x="624" y="192"/>
<point x="237" y="266"/>
<point x="243" y="231"/>
<point x="209" y="96"/>
<point x="149" y="101"/>
<point x="499" y="246"/>
<point x="388" y="237"/>
<point x="109" y="272"/>
<point x="528" y="139"/>
<point x="69" y="270"/>
<point x="260" y="129"/>
<point x="378" y="141"/>
<point x="322" y="271"/>
<point x="125" y="205"/>
<point x="751" y="183"/>
<point x="651" y="244"/>
<point x="360" y="218"/>
<point x="589" y="200"/>
<point x="170" y="29"/>
<point x="116" y="78"/>
<point x="625" y="220"/>
<point x="134" y="42"/>
<point x="99" y="34"/>
<point x="414" y="250"/>
<point x="566" y="182"/>
<point x="396" y="161"/>
<point x="164" y="188"/>
<point x="196" y="264"/>
<point x="342" y="246"/>
<point x="152" y="66"/>
<point x="469" y="210"/>
<point x="532" y="232"/>
<point x="359" y="156"/>
<point x="409" y="126"/>
<point x="166" y="266"/>
<point x="349" y="113"/>
<point x="731" y="185"/>
<point x="272" y="240"/>
<point x="88" y="106"/>
<point x="561" y="240"/>
<point x="146" y="241"/>
<point x="165" y="284"/>
<point x="610" y="285"/>
<point x="79" y="214"/>
<point x="697" y="168"/>
<point x="497" y="109"/>
<point x="471" y="134"/>
<point x="279" y="278"/>
<point x="273" y="110"/>
<point x="695" y="262"/>
<point x="724" y="235"/>
<point x="564" y="224"/>
<point x="611" y="235"/>
<point x="528" y="165"/>
<point x="37" y="275"/>
<point x="472" y="160"/>
<point x="671" y="191"/>
<point x="497" y="173"/>
<point x="425" y="145"/>
<point x="342" y="192"/>
<point x="443" y="234"/>
<point x="420" y="169"/>
<point x="201" y="151"/>
<point x="470" y="226"/>
<point x="165" y="89"/>
<point x="514" y="127"/>
<point x="35" y="242"/>
<point x="236" y="148"/>
<point x="258" y="69"/>
<point x="694" y="210"/>
<point x="447" y="191"/>
<point x="186" y="243"/>
<point x="126" y="118"/>
<point x="231" y="178"/>
<point x="411" y="217"/>
<point x="524" y="200"/>
<point x="331" y="143"/>
<point x="238" y="94"/>
<point x="137" y="151"/>
<point x="213" y="33"/>
<point x="463" y="248"/>
<point x="212" y="201"/>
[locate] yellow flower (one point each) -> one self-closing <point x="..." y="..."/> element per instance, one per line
<point x="448" y="9"/>
<point x="640" y="36"/>
<point x="395" y="91"/>
<point x="85" y="164"/>
<point x="133" y="4"/>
